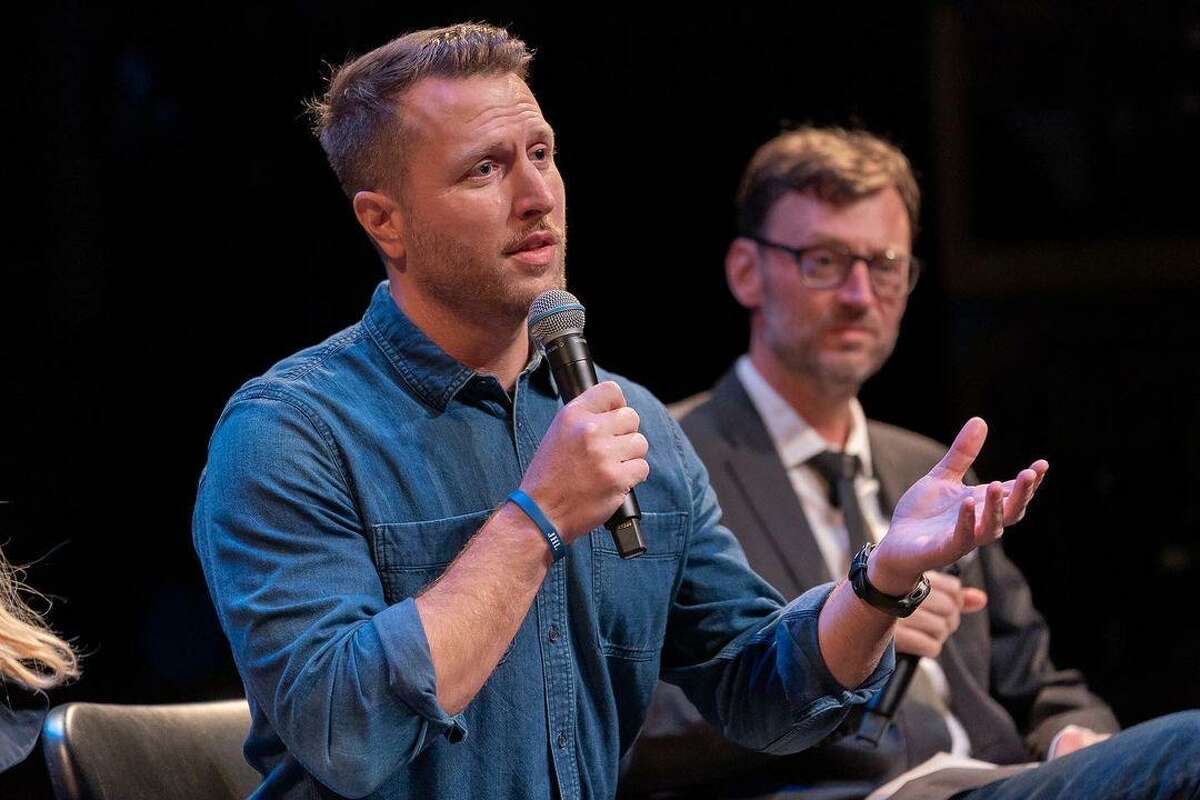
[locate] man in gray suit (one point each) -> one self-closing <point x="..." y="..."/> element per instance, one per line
<point x="823" y="263"/>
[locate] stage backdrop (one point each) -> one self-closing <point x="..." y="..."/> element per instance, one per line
<point x="173" y="230"/>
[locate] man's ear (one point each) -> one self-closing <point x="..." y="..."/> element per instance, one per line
<point x="743" y="274"/>
<point x="382" y="219"/>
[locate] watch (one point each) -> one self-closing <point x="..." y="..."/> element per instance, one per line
<point x="901" y="606"/>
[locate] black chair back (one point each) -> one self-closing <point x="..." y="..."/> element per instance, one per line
<point x="117" y="752"/>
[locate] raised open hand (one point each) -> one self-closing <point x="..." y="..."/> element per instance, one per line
<point x="939" y="519"/>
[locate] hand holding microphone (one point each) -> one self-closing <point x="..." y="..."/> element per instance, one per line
<point x="584" y="471"/>
<point x="924" y="633"/>
<point x="588" y="461"/>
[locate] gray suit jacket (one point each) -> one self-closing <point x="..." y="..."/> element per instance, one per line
<point x="1003" y="687"/>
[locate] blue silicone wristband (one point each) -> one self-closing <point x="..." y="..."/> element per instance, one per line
<point x="526" y="504"/>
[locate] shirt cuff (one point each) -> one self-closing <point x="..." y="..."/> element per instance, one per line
<point x="807" y="668"/>
<point x="410" y="671"/>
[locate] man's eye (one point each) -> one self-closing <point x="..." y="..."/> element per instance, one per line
<point x="821" y="258"/>
<point x="541" y="153"/>
<point x="484" y="168"/>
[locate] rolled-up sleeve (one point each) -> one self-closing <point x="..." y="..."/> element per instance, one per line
<point x="345" y="680"/>
<point x="752" y="666"/>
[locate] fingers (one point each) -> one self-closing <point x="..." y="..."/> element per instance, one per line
<point x="966" y="599"/>
<point x="604" y="405"/>
<point x="940" y="618"/>
<point x="932" y="627"/>
<point x="1041" y="467"/>
<point x="1017" y="493"/>
<point x="963" y="539"/>
<point x="634" y="471"/>
<point x="630" y="446"/>
<point x="1023" y="489"/>
<point x="629" y="451"/>
<point x="973" y="600"/>
<point x="1018" y="500"/>
<point x="1073" y="738"/>
<point x="963" y="451"/>
<point x="915" y="642"/>
<point x="620" y="421"/>
<point x="604" y="396"/>
<point x="943" y="583"/>
<point x="991" y="519"/>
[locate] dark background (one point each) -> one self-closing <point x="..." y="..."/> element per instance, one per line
<point x="173" y="230"/>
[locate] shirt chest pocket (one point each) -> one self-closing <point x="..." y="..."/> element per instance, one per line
<point x="633" y="596"/>
<point x="410" y="555"/>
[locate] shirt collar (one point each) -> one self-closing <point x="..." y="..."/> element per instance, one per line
<point x="795" y="439"/>
<point x="432" y="374"/>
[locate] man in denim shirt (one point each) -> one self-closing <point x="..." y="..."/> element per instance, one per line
<point x="402" y="629"/>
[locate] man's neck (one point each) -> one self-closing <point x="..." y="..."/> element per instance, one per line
<point x="500" y="350"/>
<point x="826" y="409"/>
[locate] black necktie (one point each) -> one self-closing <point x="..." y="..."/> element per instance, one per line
<point x="839" y="470"/>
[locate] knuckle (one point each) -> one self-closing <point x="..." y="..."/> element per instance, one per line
<point x="638" y="471"/>
<point x="573" y="415"/>
<point x="593" y="448"/>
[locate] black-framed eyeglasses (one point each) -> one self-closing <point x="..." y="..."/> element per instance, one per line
<point x="825" y="266"/>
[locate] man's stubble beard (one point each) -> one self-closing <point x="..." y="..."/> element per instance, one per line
<point x="833" y="377"/>
<point x="455" y="278"/>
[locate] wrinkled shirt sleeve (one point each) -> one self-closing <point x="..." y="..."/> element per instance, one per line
<point x="346" y="680"/>
<point x="752" y="666"/>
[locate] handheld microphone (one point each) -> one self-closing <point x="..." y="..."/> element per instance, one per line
<point x="555" y="321"/>
<point x="878" y="713"/>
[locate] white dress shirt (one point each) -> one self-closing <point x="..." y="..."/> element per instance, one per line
<point x="796" y="442"/>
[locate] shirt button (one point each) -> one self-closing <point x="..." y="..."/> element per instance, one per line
<point x="552" y="634"/>
<point x="562" y="741"/>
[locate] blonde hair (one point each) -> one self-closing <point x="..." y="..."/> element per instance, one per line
<point x="30" y="653"/>
<point x="838" y="166"/>
<point x="357" y="120"/>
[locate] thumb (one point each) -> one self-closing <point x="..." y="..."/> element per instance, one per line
<point x="963" y="451"/>
<point x="973" y="600"/>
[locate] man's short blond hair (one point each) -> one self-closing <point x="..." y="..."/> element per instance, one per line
<point x="836" y="165"/>
<point x="359" y="119"/>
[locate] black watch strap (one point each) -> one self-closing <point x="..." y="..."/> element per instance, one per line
<point x="889" y="604"/>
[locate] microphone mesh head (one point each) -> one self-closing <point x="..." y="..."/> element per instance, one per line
<point x="553" y="313"/>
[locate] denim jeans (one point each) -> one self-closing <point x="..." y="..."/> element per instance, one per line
<point x="1157" y="760"/>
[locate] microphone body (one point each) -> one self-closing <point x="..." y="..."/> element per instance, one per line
<point x="878" y="713"/>
<point x="574" y="373"/>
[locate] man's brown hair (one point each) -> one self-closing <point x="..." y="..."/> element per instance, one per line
<point x="358" y="119"/>
<point x="838" y="166"/>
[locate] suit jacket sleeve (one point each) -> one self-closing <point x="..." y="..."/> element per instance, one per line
<point x="1041" y="698"/>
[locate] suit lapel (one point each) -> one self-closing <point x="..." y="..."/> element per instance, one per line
<point x="753" y="466"/>
<point x="892" y="477"/>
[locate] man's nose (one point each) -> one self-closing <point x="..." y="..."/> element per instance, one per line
<point x="856" y="290"/>
<point x="533" y="196"/>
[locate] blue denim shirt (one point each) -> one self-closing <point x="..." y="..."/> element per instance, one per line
<point x="348" y="477"/>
